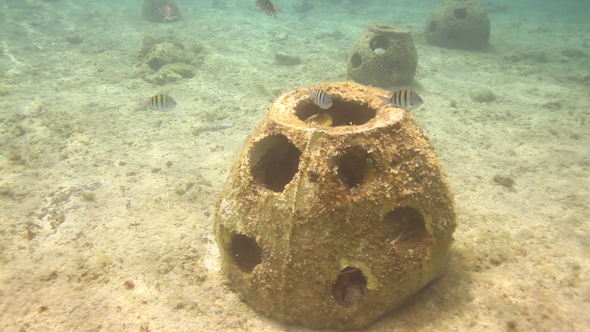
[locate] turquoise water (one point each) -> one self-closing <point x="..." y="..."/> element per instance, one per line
<point x="106" y="208"/>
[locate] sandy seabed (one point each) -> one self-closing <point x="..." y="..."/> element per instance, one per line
<point x="106" y="209"/>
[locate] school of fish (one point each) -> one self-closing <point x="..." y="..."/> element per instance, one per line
<point x="405" y="99"/>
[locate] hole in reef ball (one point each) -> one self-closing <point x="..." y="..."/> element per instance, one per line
<point x="246" y="252"/>
<point x="275" y="162"/>
<point x="460" y="13"/>
<point x="155" y="64"/>
<point x="342" y="112"/>
<point x="356" y="60"/>
<point x="432" y="26"/>
<point x="350" y="286"/>
<point x="354" y="167"/>
<point x="404" y="224"/>
<point x="378" y="42"/>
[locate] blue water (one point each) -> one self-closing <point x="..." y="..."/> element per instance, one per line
<point x="106" y="209"/>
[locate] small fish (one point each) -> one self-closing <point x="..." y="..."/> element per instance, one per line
<point x="320" y="119"/>
<point x="159" y="102"/>
<point x="267" y="6"/>
<point x="320" y="98"/>
<point x="405" y="99"/>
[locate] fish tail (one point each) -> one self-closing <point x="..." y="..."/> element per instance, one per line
<point x="143" y="103"/>
<point x="385" y="100"/>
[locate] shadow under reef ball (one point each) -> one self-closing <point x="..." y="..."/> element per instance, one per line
<point x="333" y="225"/>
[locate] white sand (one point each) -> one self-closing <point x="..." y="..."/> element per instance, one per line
<point x="84" y="208"/>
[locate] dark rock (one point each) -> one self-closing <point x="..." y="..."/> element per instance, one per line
<point x="505" y="181"/>
<point x="75" y="39"/>
<point x="283" y="59"/>
<point x="483" y="95"/>
<point x="574" y="54"/>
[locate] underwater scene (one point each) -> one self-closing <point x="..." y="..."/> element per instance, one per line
<point x="294" y="165"/>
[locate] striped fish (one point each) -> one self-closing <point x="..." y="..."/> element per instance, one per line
<point x="405" y="99"/>
<point x="320" y="98"/>
<point x="160" y="102"/>
<point x="267" y="6"/>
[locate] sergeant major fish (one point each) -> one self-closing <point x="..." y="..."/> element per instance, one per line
<point x="405" y="99"/>
<point x="267" y="6"/>
<point x="159" y="102"/>
<point x="320" y="98"/>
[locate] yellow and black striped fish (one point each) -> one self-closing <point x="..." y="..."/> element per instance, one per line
<point x="267" y="6"/>
<point x="406" y="99"/>
<point x="320" y="98"/>
<point x="160" y="102"/>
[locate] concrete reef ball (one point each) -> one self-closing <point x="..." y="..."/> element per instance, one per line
<point x="383" y="55"/>
<point x="458" y="24"/>
<point x="332" y="224"/>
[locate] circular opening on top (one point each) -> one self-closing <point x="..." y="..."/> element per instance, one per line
<point x="432" y="26"/>
<point x="350" y="286"/>
<point x="341" y="113"/>
<point x="460" y="13"/>
<point x="384" y="27"/>
<point x="378" y="42"/>
<point x="246" y="252"/>
<point x="274" y="162"/>
<point x="355" y="167"/>
<point x="356" y="61"/>
<point x="404" y="225"/>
